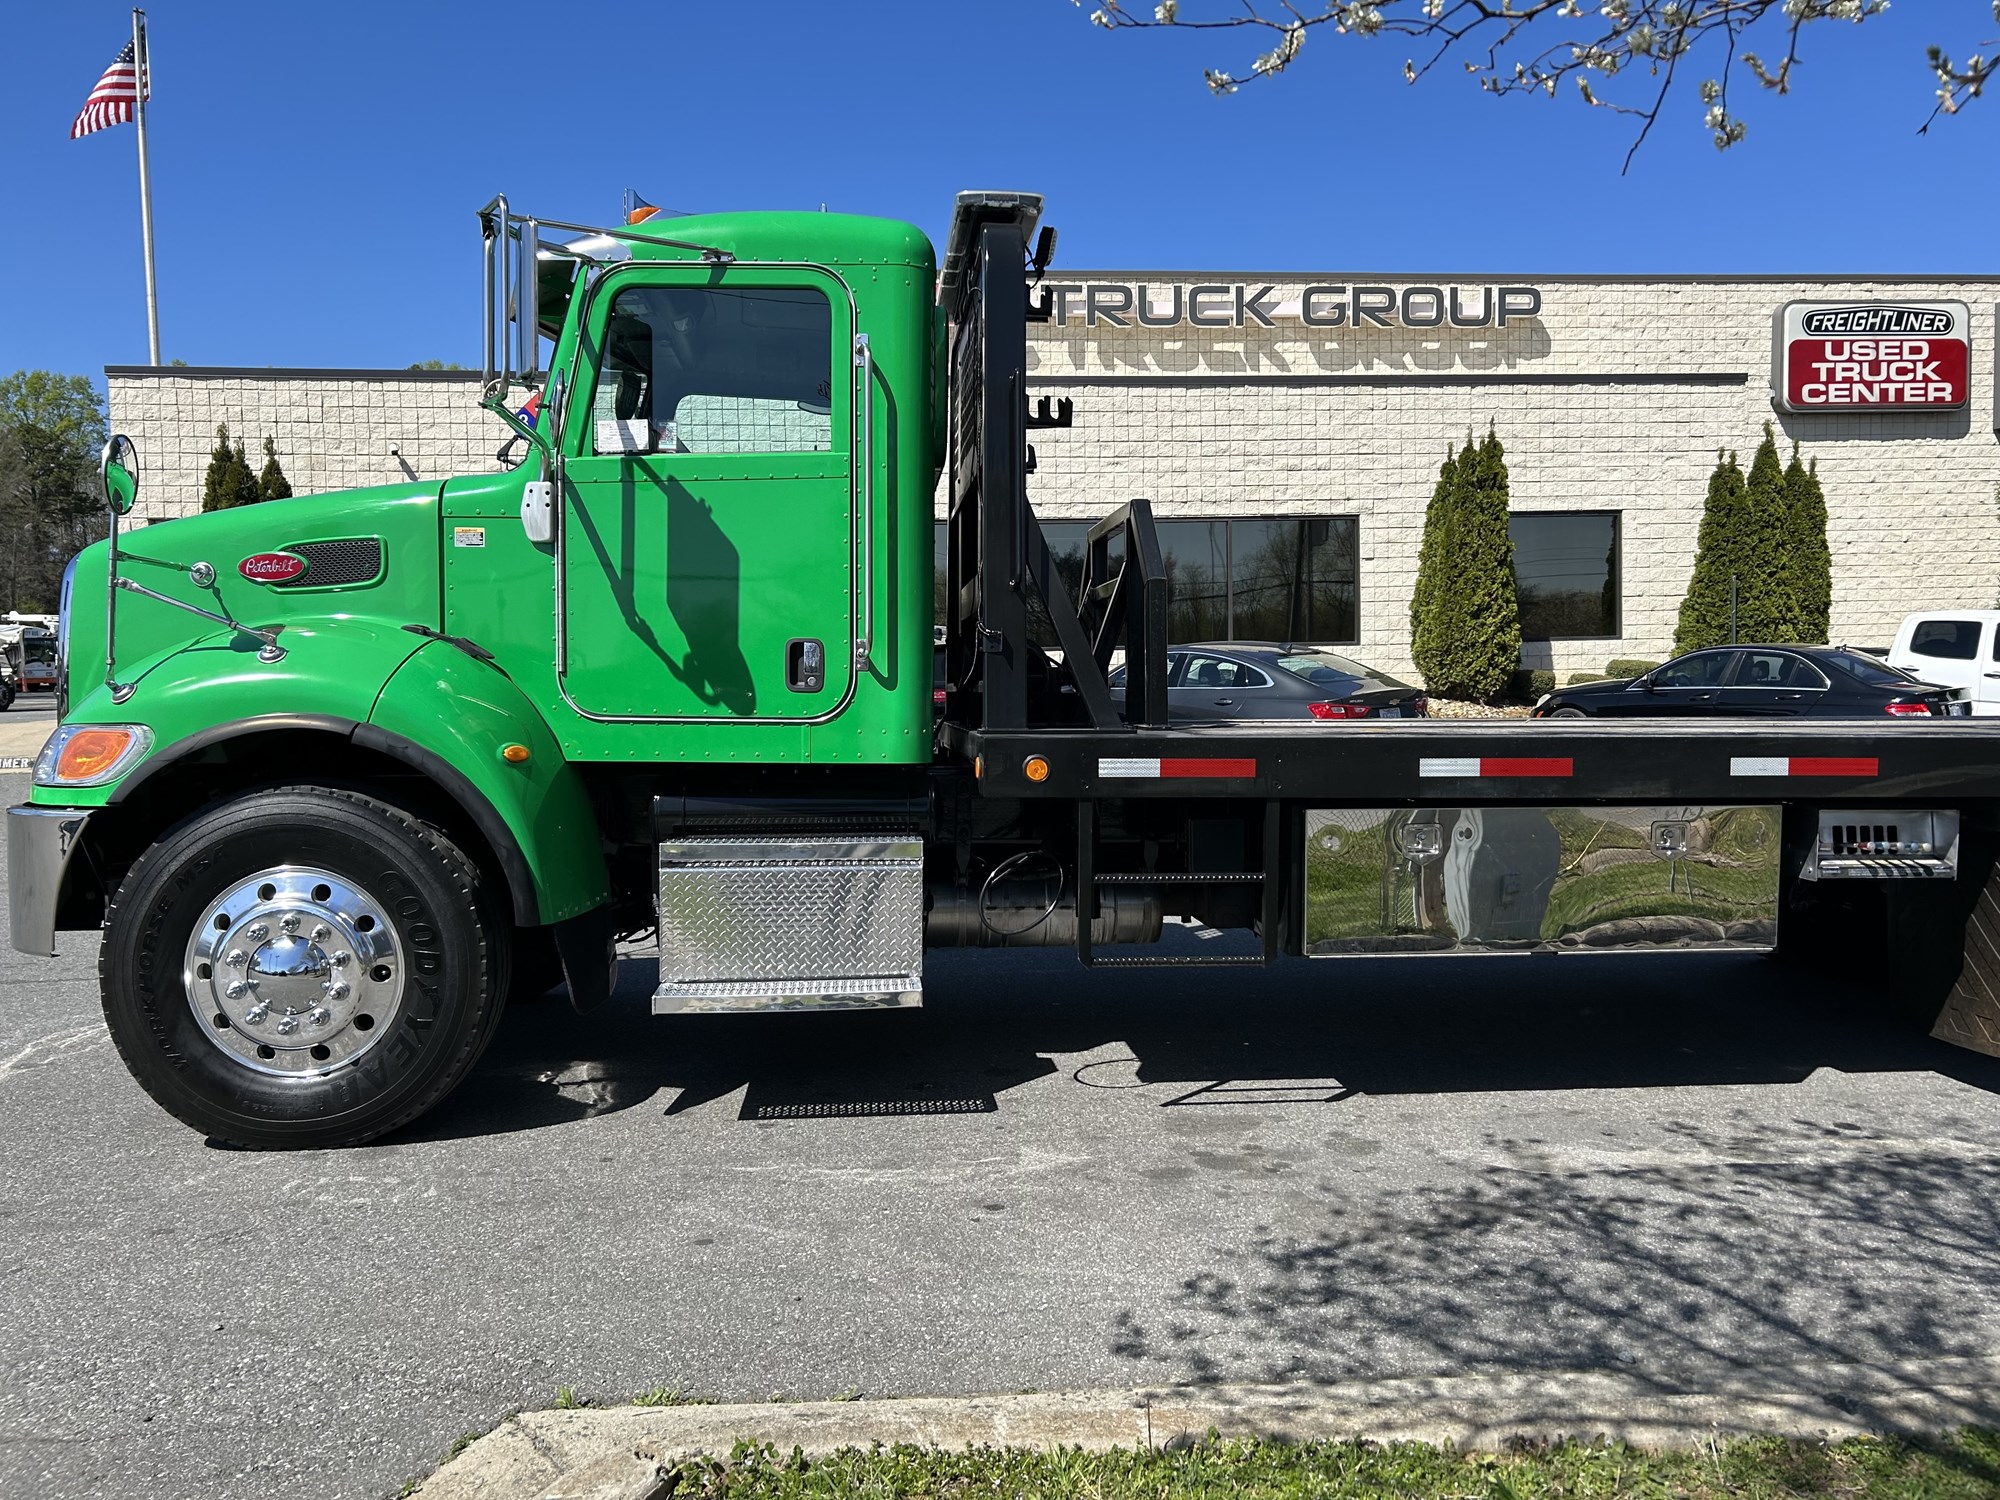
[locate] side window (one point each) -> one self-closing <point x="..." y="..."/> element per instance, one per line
<point x="1777" y="669"/>
<point x="715" y="370"/>
<point x="1950" y="640"/>
<point x="1703" y="669"/>
<point x="1221" y="672"/>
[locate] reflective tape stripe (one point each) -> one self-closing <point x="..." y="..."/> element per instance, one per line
<point x="1128" y="767"/>
<point x="1466" y="767"/>
<point x="1804" y="765"/>
<point x="1145" y="768"/>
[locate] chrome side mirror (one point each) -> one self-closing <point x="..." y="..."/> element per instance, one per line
<point x="118" y="466"/>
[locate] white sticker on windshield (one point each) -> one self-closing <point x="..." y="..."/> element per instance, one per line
<point x="617" y="435"/>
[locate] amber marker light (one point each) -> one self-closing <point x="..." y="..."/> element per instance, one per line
<point x="90" y="754"/>
<point x="1035" y="768"/>
<point x="514" y="755"/>
<point x="978" y="768"/>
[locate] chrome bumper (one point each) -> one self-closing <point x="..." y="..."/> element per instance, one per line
<point x="40" y="841"/>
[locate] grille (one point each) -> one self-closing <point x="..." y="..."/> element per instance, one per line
<point x="354" y="559"/>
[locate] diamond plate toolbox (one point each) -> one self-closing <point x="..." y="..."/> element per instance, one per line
<point x="783" y="923"/>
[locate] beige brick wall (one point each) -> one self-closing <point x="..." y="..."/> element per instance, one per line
<point x="333" y="428"/>
<point x="1913" y="519"/>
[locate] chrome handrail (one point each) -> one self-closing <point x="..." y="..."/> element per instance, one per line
<point x="864" y="636"/>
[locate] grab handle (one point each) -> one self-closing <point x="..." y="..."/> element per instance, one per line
<point x="864" y="639"/>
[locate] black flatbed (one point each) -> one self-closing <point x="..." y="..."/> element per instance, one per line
<point x="1500" y="761"/>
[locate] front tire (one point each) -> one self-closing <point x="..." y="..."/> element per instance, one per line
<point x="1567" y="713"/>
<point x="301" y="967"/>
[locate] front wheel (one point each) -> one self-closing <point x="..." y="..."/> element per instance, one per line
<point x="301" y="967"/>
<point x="1565" y="713"/>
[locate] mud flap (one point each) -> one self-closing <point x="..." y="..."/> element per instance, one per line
<point x="588" y="948"/>
<point x="1971" y="1014"/>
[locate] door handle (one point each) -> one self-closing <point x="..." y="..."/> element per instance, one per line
<point x="1993" y="674"/>
<point x="1790" y="697"/>
<point x="864" y="637"/>
<point x="1225" y="702"/>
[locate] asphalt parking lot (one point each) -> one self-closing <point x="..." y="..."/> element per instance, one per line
<point x="1046" y="1179"/>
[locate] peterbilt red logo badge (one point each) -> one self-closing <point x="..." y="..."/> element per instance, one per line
<point x="272" y="567"/>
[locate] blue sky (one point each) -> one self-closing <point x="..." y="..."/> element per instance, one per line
<point x="316" y="168"/>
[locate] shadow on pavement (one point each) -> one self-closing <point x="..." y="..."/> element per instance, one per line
<point x="1302" y="1033"/>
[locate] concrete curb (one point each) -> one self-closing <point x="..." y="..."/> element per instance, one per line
<point x="617" y="1453"/>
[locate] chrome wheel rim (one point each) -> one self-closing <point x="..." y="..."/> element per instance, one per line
<point x="295" y="971"/>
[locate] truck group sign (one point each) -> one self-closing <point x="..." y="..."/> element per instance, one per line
<point x="1871" y="356"/>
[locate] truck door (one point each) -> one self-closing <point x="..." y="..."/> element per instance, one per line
<point x="708" y="536"/>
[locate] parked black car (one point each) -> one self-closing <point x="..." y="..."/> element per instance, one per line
<point x="1266" y="680"/>
<point x="1766" y="682"/>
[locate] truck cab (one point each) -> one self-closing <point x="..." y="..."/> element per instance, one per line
<point x="1955" y="648"/>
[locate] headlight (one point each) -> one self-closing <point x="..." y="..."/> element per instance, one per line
<point x="90" y="754"/>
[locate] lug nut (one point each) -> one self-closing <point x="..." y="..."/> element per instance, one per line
<point x="254" y="1016"/>
<point x="257" y="932"/>
<point x="289" y="922"/>
<point x="338" y="989"/>
<point x="236" y="989"/>
<point x="319" y="1015"/>
<point x="288" y="1023"/>
<point x="341" y="959"/>
<point x="237" y="958"/>
<point x="321" y="933"/>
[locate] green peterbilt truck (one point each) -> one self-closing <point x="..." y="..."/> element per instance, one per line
<point x="336" y="775"/>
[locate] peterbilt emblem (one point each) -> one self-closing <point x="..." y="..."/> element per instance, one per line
<point x="272" y="567"/>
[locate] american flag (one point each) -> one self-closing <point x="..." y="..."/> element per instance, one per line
<point x="112" y="101"/>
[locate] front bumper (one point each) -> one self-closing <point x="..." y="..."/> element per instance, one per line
<point x="40" y="841"/>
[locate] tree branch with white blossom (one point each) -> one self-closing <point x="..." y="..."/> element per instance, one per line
<point x="1507" y="46"/>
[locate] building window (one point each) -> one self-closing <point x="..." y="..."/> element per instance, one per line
<point x="1252" y="580"/>
<point x="1566" y="574"/>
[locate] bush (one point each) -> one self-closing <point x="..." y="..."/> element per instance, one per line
<point x="1531" y="685"/>
<point x="1628" y="666"/>
<point x="1577" y="679"/>
<point x="1465" y="622"/>
<point x="272" y="484"/>
<point x="230" y="481"/>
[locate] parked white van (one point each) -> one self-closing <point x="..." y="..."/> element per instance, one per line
<point x="1957" y="648"/>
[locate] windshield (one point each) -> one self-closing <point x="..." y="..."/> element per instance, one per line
<point x="1323" y="668"/>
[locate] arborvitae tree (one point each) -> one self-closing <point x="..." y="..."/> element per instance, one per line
<point x="1764" y="586"/>
<point x="218" y="485"/>
<point x="1704" y="617"/>
<point x="243" y="478"/>
<point x="1809" y="562"/>
<point x="1472" y="635"/>
<point x="272" y="484"/>
<point x="1432" y="563"/>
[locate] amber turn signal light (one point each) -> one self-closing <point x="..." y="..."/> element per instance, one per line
<point x="1035" y="768"/>
<point x="513" y="754"/>
<point x="90" y="754"/>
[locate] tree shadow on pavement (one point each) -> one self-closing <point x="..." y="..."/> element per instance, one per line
<point x="1742" y="1256"/>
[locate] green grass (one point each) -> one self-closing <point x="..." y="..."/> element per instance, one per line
<point x="1962" y="1467"/>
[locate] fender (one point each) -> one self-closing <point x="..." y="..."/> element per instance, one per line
<point x="449" y="715"/>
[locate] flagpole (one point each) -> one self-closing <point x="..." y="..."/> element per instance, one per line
<point x="141" y="80"/>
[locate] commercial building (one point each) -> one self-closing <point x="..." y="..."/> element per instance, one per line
<point x="1288" y="428"/>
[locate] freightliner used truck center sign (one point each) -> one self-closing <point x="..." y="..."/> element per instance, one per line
<point x="1871" y="356"/>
